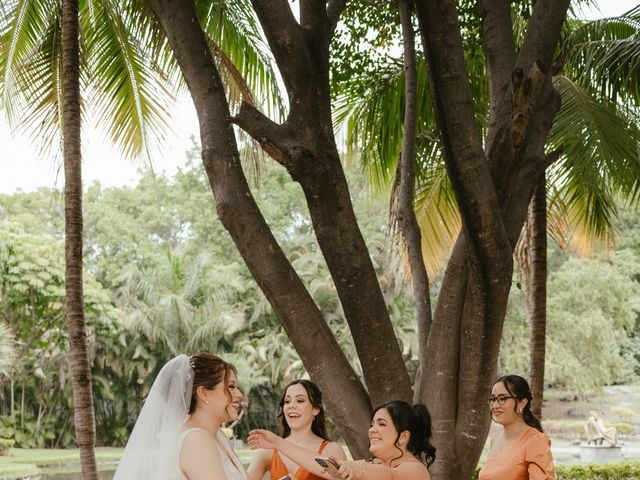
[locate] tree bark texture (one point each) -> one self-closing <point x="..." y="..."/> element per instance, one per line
<point x="346" y="397"/>
<point x="84" y="418"/>
<point x="406" y="216"/>
<point x="537" y="293"/>
<point x="306" y="147"/>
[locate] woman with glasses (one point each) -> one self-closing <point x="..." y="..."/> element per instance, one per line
<point x="520" y="451"/>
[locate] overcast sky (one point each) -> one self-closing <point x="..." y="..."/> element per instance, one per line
<point x="21" y="168"/>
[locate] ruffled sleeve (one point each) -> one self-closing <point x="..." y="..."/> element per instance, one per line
<point x="538" y="458"/>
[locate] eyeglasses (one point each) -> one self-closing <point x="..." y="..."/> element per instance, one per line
<point x="500" y="399"/>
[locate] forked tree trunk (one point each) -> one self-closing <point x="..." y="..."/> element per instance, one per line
<point x="74" y="304"/>
<point x="537" y="293"/>
<point x="493" y="181"/>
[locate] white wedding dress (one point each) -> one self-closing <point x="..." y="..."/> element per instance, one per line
<point x="231" y="465"/>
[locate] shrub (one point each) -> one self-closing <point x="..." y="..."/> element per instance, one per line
<point x="610" y="471"/>
<point x="607" y="471"/>
<point x="5" y="445"/>
<point x="623" y="413"/>
<point x="623" y="427"/>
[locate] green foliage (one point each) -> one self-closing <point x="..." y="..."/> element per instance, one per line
<point x="615" y="471"/>
<point x="607" y="471"/>
<point x="593" y="307"/>
<point x="623" y="413"/>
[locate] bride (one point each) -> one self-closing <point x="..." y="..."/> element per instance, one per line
<point x="177" y="435"/>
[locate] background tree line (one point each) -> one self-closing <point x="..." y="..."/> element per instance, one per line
<point x="162" y="279"/>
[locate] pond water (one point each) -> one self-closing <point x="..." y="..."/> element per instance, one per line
<point x="54" y="474"/>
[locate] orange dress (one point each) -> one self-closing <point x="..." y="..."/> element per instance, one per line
<point x="278" y="469"/>
<point x="528" y="457"/>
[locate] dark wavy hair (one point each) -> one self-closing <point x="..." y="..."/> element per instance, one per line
<point x="519" y="388"/>
<point x="417" y="421"/>
<point x="208" y="371"/>
<point x="315" y="398"/>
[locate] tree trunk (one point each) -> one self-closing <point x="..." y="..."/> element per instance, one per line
<point x="347" y="400"/>
<point x="493" y="182"/>
<point x="406" y="215"/>
<point x="537" y="294"/>
<point x="305" y="145"/>
<point x="74" y="303"/>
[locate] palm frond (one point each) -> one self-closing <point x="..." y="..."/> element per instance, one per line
<point x="130" y="99"/>
<point x="438" y="216"/>
<point x="374" y="121"/>
<point x="22" y="28"/>
<point x="234" y="29"/>
<point x="604" y="56"/>
<point x="600" y="143"/>
<point x="565" y="224"/>
<point x="39" y="90"/>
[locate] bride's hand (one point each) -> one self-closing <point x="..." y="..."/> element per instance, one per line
<point x="262" y="439"/>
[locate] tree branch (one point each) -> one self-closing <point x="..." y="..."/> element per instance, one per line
<point x="334" y="10"/>
<point x="237" y="209"/>
<point x="406" y="213"/>
<point x="499" y="48"/>
<point x="287" y="42"/>
<point x="265" y="131"/>
<point x="468" y="170"/>
<point x="538" y="48"/>
<point x="542" y="33"/>
<point x="523" y="181"/>
<point x="313" y="18"/>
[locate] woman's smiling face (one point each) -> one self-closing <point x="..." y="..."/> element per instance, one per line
<point x="505" y="413"/>
<point x="382" y="436"/>
<point x="297" y="408"/>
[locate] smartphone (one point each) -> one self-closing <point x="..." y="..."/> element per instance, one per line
<point x="330" y="465"/>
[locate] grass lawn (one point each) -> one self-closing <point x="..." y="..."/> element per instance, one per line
<point x="25" y="462"/>
<point x="22" y="462"/>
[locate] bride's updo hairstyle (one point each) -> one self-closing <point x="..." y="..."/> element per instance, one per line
<point x="208" y="371"/>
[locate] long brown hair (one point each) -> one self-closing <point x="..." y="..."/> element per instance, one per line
<point x="315" y="398"/>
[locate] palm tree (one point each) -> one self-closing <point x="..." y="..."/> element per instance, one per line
<point x="593" y="155"/>
<point x="184" y="303"/>
<point x="57" y="59"/>
<point x="84" y="417"/>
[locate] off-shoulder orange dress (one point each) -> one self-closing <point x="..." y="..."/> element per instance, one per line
<point x="278" y="469"/>
<point x="528" y="457"/>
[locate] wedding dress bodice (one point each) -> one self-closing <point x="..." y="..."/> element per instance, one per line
<point x="231" y="465"/>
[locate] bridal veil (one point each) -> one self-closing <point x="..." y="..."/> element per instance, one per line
<point x="152" y="452"/>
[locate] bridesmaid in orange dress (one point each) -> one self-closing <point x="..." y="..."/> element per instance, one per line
<point x="399" y="440"/>
<point x="303" y="424"/>
<point x="521" y="451"/>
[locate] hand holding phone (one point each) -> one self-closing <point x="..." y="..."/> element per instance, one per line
<point x="330" y="466"/>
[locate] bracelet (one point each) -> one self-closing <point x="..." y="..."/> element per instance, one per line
<point x="361" y="465"/>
